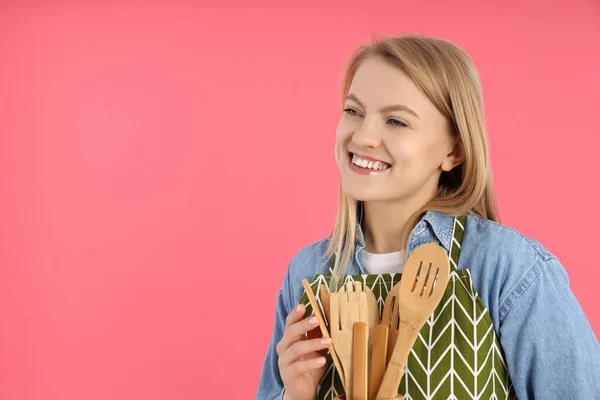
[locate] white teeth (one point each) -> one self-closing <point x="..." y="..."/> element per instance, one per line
<point x="374" y="165"/>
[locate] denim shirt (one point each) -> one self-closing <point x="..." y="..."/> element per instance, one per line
<point x="549" y="346"/>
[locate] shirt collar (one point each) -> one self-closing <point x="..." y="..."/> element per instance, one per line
<point x="434" y="223"/>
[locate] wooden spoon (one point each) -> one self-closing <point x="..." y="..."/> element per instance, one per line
<point x="422" y="286"/>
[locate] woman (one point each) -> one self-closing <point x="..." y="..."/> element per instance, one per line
<point x="415" y="168"/>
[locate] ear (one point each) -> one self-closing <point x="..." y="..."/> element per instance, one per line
<point x="455" y="157"/>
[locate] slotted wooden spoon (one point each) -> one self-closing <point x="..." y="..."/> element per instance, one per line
<point x="422" y="286"/>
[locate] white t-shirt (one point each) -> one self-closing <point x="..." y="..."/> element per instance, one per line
<point x="386" y="263"/>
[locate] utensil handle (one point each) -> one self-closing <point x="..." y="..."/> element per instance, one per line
<point x="360" y="363"/>
<point x="379" y="358"/>
<point x="407" y="336"/>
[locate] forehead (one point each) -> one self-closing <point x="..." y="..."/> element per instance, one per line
<point x="378" y="83"/>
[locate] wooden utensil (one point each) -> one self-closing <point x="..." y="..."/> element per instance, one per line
<point x="324" y="295"/>
<point x="373" y="313"/>
<point x="332" y="349"/>
<point x="345" y="312"/>
<point x="422" y="286"/>
<point x="372" y="310"/>
<point x="360" y="362"/>
<point x="378" y="358"/>
<point x="382" y="348"/>
<point x="391" y="317"/>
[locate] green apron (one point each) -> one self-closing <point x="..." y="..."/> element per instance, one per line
<point x="457" y="354"/>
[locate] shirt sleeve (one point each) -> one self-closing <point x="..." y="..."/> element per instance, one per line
<point x="271" y="386"/>
<point x="550" y="347"/>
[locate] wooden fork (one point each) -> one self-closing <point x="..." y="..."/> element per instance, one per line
<point x="345" y="312"/>
<point x="362" y="376"/>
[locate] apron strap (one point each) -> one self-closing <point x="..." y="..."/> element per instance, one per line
<point x="456" y="243"/>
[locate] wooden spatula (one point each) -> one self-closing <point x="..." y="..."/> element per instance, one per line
<point x="422" y="286"/>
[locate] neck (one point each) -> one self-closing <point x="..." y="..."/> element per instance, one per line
<point x="384" y="222"/>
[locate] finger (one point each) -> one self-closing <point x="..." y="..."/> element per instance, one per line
<point x="301" y="367"/>
<point x="303" y="349"/>
<point x="314" y="334"/>
<point x="296" y="332"/>
<point x="295" y="316"/>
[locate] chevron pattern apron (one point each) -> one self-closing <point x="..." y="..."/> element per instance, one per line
<point x="457" y="355"/>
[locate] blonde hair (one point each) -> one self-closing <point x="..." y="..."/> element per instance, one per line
<point x="448" y="77"/>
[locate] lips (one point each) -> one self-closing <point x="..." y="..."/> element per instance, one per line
<point x="367" y="167"/>
<point x="368" y="158"/>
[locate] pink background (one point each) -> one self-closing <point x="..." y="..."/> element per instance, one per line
<point x="161" y="164"/>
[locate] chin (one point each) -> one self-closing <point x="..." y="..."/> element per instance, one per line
<point x="360" y="194"/>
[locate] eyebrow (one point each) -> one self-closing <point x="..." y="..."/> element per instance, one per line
<point x="395" y="107"/>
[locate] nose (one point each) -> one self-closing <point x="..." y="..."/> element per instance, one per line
<point x="366" y="136"/>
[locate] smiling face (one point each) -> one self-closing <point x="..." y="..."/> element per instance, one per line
<point x="397" y="136"/>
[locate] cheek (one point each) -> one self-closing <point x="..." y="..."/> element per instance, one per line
<point x="339" y="146"/>
<point x="414" y="159"/>
<point x="343" y="134"/>
<point x="403" y="151"/>
<point x="416" y="151"/>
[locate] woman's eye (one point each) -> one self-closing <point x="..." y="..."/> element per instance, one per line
<point x="392" y="121"/>
<point x="397" y="122"/>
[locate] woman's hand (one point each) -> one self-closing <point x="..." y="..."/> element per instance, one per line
<point x="301" y="353"/>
